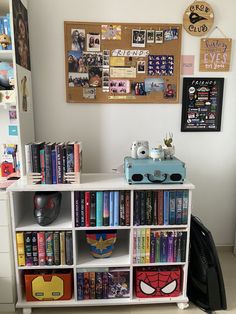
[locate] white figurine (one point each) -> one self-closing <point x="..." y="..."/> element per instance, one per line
<point x="169" y="149"/>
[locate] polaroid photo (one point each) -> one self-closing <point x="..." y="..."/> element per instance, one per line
<point x="93" y="42"/>
<point x="138" y="38"/>
<point x="78" y="80"/>
<point x="141" y="65"/>
<point x="111" y="32"/>
<point x="89" y="93"/>
<point x="78" y="39"/>
<point x="95" y="76"/>
<point x="150" y="36"/>
<point x="158" y="37"/>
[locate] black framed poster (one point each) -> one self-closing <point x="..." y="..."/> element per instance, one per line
<point x="202" y="104"/>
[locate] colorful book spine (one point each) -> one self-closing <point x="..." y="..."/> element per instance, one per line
<point x="98" y="285"/>
<point x="143" y="246"/>
<point x="77" y="208"/>
<point x="54" y="167"/>
<point x="155" y="207"/>
<point x="69" y="248"/>
<point x="178" y="247"/>
<point x="105" y="285"/>
<point x="116" y="208"/>
<point x="41" y="248"/>
<point x="49" y="248"/>
<point x="122" y="208"/>
<point x="99" y="208"/>
<point x="59" y="163"/>
<point x="70" y="157"/>
<point x="56" y="247"/>
<point x="172" y="206"/>
<point x="160" y="216"/>
<point x="62" y="248"/>
<point x="163" y="247"/>
<point x="134" y="246"/>
<point x="20" y="248"/>
<point x="77" y="157"/>
<point x="138" y="246"/>
<point x="87" y="208"/>
<point x="86" y="286"/>
<point x="179" y="206"/>
<point x="42" y="165"/>
<point x="35" y="248"/>
<point x="157" y="251"/>
<point x="170" y="247"/>
<point x="185" y="207"/>
<point x="28" y="248"/>
<point x="166" y="207"/>
<point x="48" y="162"/>
<point x="92" y="208"/>
<point x="80" y="285"/>
<point x="111" y="208"/>
<point x="92" y="294"/>
<point x="127" y="208"/>
<point x="152" y="247"/>
<point x="147" y="245"/>
<point x="82" y="209"/>
<point x="106" y="208"/>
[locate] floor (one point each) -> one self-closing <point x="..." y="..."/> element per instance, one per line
<point x="228" y="264"/>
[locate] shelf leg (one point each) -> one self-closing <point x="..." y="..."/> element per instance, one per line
<point x="27" y="310"/>
<point x="183" y="305"/>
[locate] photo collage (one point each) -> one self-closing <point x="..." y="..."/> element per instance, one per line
<point x="98" y="62"/>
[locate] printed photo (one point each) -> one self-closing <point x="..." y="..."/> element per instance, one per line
<point x="170" y="91"/>
<point x="25" y="89"/>
<point x="21" y="34"/>
<point x="95" y="77"/>
<point x="111" y="32"/>
<point x="78" y="39"/>
<point x="158" y="37"/>
<point x="141" y="64"/>
<point x="154" y="85"/>
<point x="12" y="116"/>
<point x="78" y="80"/>
<point x="138" y="38"/>
<point x="89" y="93"/>
<point x="171" y="34"/>
<point x="92" y="59"/>
<point x="120" y="86"/>
<point x="93" y="42"/>
<point x="150" y="36"/>
<point x="138" y="88"/>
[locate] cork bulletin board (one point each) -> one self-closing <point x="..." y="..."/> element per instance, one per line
<point x="122" y="63"/>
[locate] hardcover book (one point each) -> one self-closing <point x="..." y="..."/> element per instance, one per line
<point x="20" y="248"/>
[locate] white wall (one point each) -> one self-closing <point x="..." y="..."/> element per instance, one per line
<point x="107" y="130"/>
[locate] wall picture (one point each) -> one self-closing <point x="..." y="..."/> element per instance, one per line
<point x="202" y="104"/>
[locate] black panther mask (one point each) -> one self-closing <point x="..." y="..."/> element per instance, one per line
<point x="46" y="207"/>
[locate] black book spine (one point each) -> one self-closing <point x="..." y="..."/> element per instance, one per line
<point x="137" y="214"/>
<point x="35" y="249"/>
<point x="35" y="150"/>
<point x="143" y="208"/>
<point x="48" y="164"/>
<point x="70" y="158"/>
<point x="82" y="209"/>
<point x="69" y="248"/>
<point x="93" y="209"/>
<point x="77" y="207"/>
<point x="59" y="163"/>
<point x="122" y="208"/>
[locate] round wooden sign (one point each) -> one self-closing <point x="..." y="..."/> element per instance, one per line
<point x="198" y="18"/>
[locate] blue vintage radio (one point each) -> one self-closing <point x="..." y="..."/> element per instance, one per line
<point x="154" y="171"/>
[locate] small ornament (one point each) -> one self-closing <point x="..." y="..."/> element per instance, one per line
<point x="5" y="41"/>
<point x="169" y="149"/>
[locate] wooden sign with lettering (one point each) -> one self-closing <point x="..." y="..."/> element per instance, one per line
<point x="215" y="54"/>
<point x="198" y="18"/>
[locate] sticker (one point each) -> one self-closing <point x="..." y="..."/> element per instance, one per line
<point x="150" y="36"/>
<point x="13" y="130"/>
<point x="130" y="53"/>
<point x="111" y="32"/>
<point x="7" y="96"/>
<point x="78" y="39"/>
<point x="154" y="85"/>
<point x="187" y="65"/>
<point x="93" y="42"/>
<point x="138" y="38"/>
<point x="12" y="116"/>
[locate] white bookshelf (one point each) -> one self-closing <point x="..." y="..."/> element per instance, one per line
<point x="21" y="195"/>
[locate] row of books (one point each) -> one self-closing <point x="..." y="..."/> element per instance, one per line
<point x="53" y="160"/>
<point x="103" y="285"/>
<point x="158" y="207"/>
<point x="44" y="248"/>
<point x="151" y="246"/>
<point x="5" y="28"/>
<point x="102" y="208"/>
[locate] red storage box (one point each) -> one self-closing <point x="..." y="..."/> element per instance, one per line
<point x="158" y="282"/>
<point x="48" y="287"/>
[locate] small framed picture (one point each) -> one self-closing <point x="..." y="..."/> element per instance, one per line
<point x="138" y="38"/>
<point x="141" y="66"/>
<point x="158" y="37"/>
<point x="150" y="36"/>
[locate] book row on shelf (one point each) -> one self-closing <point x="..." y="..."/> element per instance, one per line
<point x="151" y="246"/>
<point x="102" y="208"/>
<point x="44" y="248"/>
<point x="5" y="28"/>
<point x="53" y="160"/>
<point x="158" y="207"/>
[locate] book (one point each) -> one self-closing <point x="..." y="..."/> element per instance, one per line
<point x="106" y="200"/>
<point x="82" y="209"/>
<point x="92" y="208"/>
<point x="68" y="248"/>
<point x="138" y="246"/>
<point x="48" y="147"/>
<point x="122" y="208"/>
<point x="86" y="286"/>
<point x="185" y="207"/>
<point x="119" y="283"/>
<point x="134" y="246"/>
<point x="35" y="152"/>
<point x="80" y="285"/>
<point x="142" y="208"/>
<point x="179" y="206"/>
<point x="92" y="294"/>
<point x="163" y="247"/>
<point x="172" y="206"/>
<point x="54" y="166"/>
<point x="143" y="246"/>
<point x="41" y="248"/>
<point x="28" y="158"/>
<point x="59" y="162"/>
<point x="35" y="248"/>
<point x="170" y="247"/>
<point x="147" y="245"/>
<point x="183" y="246"/>
<point x="152" y="247"/>
<point x="77" y="208"/>
<point x="20" y="244"/>
<point x="49" y="248"/>
<point x="99" y="208"/>
<point x="62" y="248"/>
<point x="137" y="208"/>
<point x="160" y="214"/>
<point x="77" y="156"/>
<point x="56" y="247"/>
<point x="42" y="165"/>
<point x="149" y="207"/>
<point x="70" y="157"/>
<point x="155" y="207"/>
<point x="105" y="285"/>
<point x="87" y="208"/>
<point x="116" y="208"/>
<point x="98" y="285"/>
<point x="166" y="207"/>
<point x="127" y="208"/>
<point x="111" y="208"/>
<point x="178" y="246"/>
<point x="28" y="248"/>
<point x="157" y="251"/>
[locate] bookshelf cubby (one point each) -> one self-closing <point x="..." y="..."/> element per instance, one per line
<point x="125" y="247"/>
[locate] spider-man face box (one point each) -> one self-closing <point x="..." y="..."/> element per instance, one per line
<point x="160" y="283"/>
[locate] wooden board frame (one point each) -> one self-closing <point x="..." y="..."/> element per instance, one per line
<point x="169" y="48"/>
